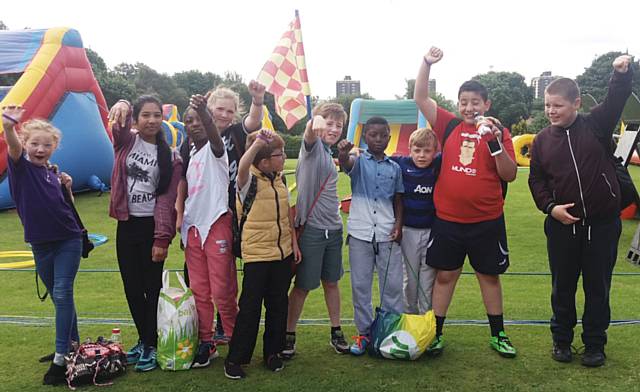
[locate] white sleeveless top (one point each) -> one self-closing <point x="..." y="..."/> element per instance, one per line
<point x="207" y="192"/>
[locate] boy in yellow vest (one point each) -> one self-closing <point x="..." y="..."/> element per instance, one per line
<point x="269" y="247"/>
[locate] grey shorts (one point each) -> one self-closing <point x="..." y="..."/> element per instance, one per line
<point x="321" y="258"/>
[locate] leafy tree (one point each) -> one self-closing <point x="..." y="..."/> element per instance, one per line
<point x="3" y="26"/>
<point x="537" y="122"/>
<point x="595" y="79"/>
<point x="196" y="82"/>
<point x="444" y="103"/>
<point x="511" y="98"/>
<point x="114" y="86"/>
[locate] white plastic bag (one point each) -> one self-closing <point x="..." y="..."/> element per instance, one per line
<point x="177" y="325"/>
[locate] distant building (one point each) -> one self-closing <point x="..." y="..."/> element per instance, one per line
<point x="541" y="82"/>
<point x="432" y="86"/>
<point x="347" y="86"/>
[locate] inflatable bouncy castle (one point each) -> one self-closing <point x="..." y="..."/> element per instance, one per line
<point x="403" y="117"/>
<point x="57" y="84"/>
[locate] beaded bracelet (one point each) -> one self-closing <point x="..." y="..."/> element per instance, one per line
<point x="8" y="117"/>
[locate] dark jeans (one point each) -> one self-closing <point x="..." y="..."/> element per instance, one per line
<point x="141" y="277"/>
<point x="57" y="263"/>
<point x="268" y="281"/>
<point x="592" y="251"/>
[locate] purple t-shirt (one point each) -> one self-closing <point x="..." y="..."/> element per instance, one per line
<point x="44" y="213"/>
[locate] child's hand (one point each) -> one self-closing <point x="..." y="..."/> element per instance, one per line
<point x="198" y="102"/>
<point x="11" y="115"/>
<point x="297" y="254"/>
<point x="621" y="63"/>
<point x="118" y="113"/>
<point x="158" y="254"/>
<point x="264" y="137"/>
<point x="319" y="125"/>
<point x="256" y="89"/>
<point x="345" y="146"/>
<point x="66" y="180"/>
<point x="433" y="55"/>
<point x="396" y="234"/>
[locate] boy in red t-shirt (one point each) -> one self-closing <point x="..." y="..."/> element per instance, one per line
<point x="469" y="201"/>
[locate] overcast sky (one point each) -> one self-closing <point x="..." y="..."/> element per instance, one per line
<point x="379" y="42"/>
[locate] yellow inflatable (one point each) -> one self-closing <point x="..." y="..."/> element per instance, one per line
<point x="17" y="264"/>
<point x="522" y="147"/>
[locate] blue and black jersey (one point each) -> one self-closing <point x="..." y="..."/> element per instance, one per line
<point x="419" y="184"/>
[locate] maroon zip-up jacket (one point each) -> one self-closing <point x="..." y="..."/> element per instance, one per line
<point x="164" y="213"/>
<point x="570" y="165"/>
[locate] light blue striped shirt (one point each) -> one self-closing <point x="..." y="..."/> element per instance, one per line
<point x="373" y="186"/>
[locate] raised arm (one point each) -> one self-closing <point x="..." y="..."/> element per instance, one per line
<point x="345" y="159"/>
<point x="253" y="121"/>
<point x="314" y="129"/>
<point x="120" y="118"/>
<point x="11" y="116"/>
<point x="199" y="104"/>
<point x="427" y="105"/>
<point x="264" y="137"/>
<point x="608" y="113"/>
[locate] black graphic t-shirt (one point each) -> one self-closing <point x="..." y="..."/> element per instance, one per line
<point x="235" y="139"/>
<point x="142" y="178"/>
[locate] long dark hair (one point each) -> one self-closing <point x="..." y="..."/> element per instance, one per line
<point x="164" y="151"/>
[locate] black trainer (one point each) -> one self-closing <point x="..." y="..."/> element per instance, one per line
<point x="561" y="352"/>
<point x="274" y="363"/>
<point x="289" y="347"/>
<point x="593" y="357"/>
<point x="56" y="375"/>
<point x="233" y="371"/>
<point x="47" y="358"/>
<point x="338" y="342"/>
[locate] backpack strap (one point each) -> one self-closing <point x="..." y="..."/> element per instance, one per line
<point x="248" y="201"/>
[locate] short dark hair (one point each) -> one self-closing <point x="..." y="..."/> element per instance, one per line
<point x="565" y="87"/>
<point x="376" y="120"/>
<point x="475" y="87"/>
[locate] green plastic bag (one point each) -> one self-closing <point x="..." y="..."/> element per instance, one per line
<point x="177" y="325"/>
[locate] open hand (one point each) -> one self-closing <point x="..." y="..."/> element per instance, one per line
<point x="433" y="55"/>
<point x="621" y="63"/>
<point x="11" y="115"/>
<point x="198" y="102"/>
<point x="561" y="214"/>
<point x="256" y="89"/>
<point x="119" y="112"/>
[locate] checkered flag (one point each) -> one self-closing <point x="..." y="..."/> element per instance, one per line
<point x="285" y="75"/>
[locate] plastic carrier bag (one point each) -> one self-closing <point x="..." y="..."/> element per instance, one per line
<point x="177" y="325"/>
<point x="401" y="336"/>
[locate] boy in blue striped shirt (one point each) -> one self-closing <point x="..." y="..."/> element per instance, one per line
<point x="419" y="174"/>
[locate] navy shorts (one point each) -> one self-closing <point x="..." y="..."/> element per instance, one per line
<point x="484" y="242"/>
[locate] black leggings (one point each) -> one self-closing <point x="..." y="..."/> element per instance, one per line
<point x="141" y="277"/>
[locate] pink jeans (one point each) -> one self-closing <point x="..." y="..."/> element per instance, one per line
<point x="213" y="276"/>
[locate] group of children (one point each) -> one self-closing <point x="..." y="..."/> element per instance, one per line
<point x="413" y="219"/>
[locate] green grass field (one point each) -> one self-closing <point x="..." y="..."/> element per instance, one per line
<point x="467" y="364"/>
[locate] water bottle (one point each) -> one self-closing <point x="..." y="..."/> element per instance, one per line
<point x="115" y="335"/>
<point x="481" y="124"/>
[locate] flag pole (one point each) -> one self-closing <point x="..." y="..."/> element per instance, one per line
<point x="307" y="97"/>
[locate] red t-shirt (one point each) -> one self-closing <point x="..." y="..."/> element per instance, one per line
<point x="468" y="189"/>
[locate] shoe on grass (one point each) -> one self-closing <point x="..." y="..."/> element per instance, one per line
<point x="436" y="347"/>
<point x="338" y="342"/>
<point x="359" y="346"/>
<point x="561" y="352"/>
<point x="593" y="357"/>
<point x="289" y="347"/>
<point x="56" y="375"/>
<point x="133" y="355"/>
<point x="502" y="345"/>
<point x="206" y="352"/>
<point x="274" y="363"/>
<point x="147" y="361"/>
<point x="233" y="371"/>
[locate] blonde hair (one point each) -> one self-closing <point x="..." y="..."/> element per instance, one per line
<point x="331" y="110"/>
<point x="423" y="137"/>
<point x="38" y="125"/>
<point x="225" y="93"/>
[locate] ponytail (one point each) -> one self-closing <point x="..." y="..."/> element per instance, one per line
<point x="164" y="163"/>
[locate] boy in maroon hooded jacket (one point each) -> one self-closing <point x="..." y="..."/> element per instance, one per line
<point x="573" y="180"/>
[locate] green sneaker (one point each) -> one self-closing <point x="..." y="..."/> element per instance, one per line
<point x="502" y="345"/>
<point x="436" y="347"/>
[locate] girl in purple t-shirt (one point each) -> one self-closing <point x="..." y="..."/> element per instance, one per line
<point x="49" y="224"/>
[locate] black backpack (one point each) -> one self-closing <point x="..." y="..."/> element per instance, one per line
<point x="628" y="192"/>
<point x="448" y="130"/>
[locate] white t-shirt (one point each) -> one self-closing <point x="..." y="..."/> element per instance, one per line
<point x="143" y="175"/>
<point x="207" y="191"/>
